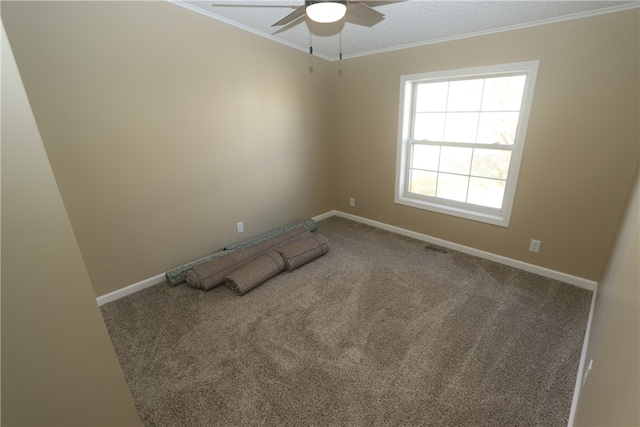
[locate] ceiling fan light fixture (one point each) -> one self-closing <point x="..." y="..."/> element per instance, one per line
<point x="325" y="12"/>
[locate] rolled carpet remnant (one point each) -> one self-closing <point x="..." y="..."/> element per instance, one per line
<point x="309" y="224"/>
<point x="212" y="273"/>
<point x="255" y="273"/>
<point x="179" y="274"/>
<point x="303" y="251"/>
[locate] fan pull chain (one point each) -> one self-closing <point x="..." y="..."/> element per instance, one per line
<point x="340" y="41"/>
<point x="310" y="52"/>
<point x="340" y="64"/>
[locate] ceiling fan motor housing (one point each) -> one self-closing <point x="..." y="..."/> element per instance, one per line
<point x="328" y="11"/>
<point x="325" y="11"/>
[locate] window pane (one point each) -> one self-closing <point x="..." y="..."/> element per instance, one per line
<point x="503" y="93"/>
<point x="491" y="163"/>
<point x="429" y="126"/>
<point x="456" y="160"/>
<point x="461" y="127"/>
<point x="497" y="128"/>
<point x="425" y="157"/>
<point x="432" y="97"/>
<point x="422" y="182"/>
<point x="486" y="192"/>
<point x="465" y="95"/>
<point x="452" y="187"/>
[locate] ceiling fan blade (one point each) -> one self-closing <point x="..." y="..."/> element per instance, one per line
<point x="360" y="14"/>
<point x="291" y="24"/>
<point x="375" y="3"/>
<point x="252" y="5"/>
<point x="290" y="17"/>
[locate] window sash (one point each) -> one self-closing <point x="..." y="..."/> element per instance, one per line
<point x="478" y="111"/>
<point x="409" y="168"/>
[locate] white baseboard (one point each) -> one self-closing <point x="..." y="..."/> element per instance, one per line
<point x="324" y="215"/>
<point x="542" y="271"/>
<point x="583" y="360"/>
<point x="131" y="289"/>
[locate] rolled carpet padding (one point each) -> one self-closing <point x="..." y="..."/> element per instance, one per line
<point x="212" y="273"/>
<point x="255" y="273"/>
<point x="303" y="251"/>
<point x="179" y="274"/>
<point x="309" y="224"/>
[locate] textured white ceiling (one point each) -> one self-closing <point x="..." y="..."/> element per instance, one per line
<point x="406" y="23"/>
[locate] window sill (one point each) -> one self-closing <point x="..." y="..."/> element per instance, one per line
<point x="494" y="217"/>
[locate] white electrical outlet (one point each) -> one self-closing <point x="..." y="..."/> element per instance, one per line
<point x="240" y="226"/>
<point x="534" y="246"/>
<point x="352" y="201"/>
<point x="586" y="372"/>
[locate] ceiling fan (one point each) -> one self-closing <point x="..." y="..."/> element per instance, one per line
<point x="326" y="11"/>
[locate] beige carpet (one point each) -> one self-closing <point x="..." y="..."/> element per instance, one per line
<point x="379" y="332"/>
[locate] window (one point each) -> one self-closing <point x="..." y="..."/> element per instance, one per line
<point x="461" y="138"/>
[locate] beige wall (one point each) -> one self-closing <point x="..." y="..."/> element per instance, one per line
<point x="165" y="127"/>
<point x="58" y="365"/>
<point x="579" y="158"/>
<point x="611" y="393"/>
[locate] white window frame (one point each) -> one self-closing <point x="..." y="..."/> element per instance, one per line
<point x="497" y="216"/>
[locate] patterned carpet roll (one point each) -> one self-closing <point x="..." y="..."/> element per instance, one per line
<point x="212" y="273"/>
<point x="303" y="251"/>
<point x="255" y="273"/>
